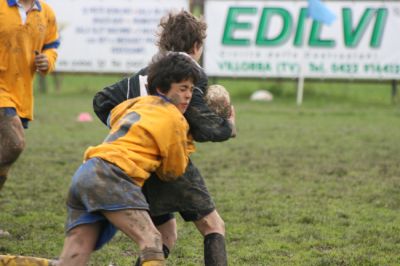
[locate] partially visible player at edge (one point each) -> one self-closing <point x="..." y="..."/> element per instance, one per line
<point x="28" y="42"/>
<point x="180" y="32"/>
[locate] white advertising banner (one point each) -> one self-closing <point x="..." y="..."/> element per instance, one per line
<point x="109" y="36"/>
<point x="277" y="39"/>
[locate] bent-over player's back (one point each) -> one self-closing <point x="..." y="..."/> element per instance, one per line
<point x="147" y="134"/>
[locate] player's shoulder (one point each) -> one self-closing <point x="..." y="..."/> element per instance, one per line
<point x="171" y="114"/>
<point x="46" y="8"/>
<point x="143" y="71"/>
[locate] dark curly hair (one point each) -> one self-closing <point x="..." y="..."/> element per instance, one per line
<point x="174" y="67"/>
<point x="179" y="32"/>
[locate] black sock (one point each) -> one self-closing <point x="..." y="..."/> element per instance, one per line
<point x="138" y="262"/>
<point x="214" y="250"/>
<point x="165" y="250"/>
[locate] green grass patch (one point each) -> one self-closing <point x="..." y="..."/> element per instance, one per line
<point x="312" y="185"/>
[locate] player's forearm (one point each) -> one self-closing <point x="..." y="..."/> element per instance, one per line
<point x="109" y="97"/>
<point x="204" y="124"/>
<point x="207" y="126"/>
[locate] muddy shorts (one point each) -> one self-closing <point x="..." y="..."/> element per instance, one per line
<point x="10" y="112"/>
<point x="96" y="186"/>
<point x="188" y="195"/>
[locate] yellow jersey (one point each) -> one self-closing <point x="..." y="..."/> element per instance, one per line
<point x="18" y="43"/>
<point x="148" y="134"/>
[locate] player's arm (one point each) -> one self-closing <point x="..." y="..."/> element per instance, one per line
<point x="176" y="151"/>
<point x="204" y="124"/>
<point x="45" y="59"/>
<point x="109" y="97"/>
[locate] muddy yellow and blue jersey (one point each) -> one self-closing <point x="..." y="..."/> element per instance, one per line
<point x="148" y="134"/>
<point x="21" y="34"/>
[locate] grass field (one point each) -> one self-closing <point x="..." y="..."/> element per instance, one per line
<point x="312" y="185"/>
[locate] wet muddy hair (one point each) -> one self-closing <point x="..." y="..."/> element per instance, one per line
<point x="172" y="68"/>
<point x="179" y="32"/>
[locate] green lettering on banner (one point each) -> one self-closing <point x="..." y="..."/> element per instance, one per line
<point x="315" y="39"/>
<point x="232" y="24"/>
<point x="316" y="67"/>
<point x="287" y="67"/>
<point x="377" y="34"/>
<point x="244" y="66"/>
<point x="382" y="69"/>
<point x="298" y="38"/>
<point x="347" y="68"/>
<point x="353" y="37"/>
<point x="267" y="13"/>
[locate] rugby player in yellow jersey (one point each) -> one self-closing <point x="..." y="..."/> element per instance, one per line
<point x="28" y="42"/>
<point x="148" y="134"/>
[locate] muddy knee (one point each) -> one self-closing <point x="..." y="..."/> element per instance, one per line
<point x="9" y="153"/>
<point x="12" y="139"/>
<point x="215" y="226"/>
<point x="211" y="223"/>
<point x="10" y="150"/>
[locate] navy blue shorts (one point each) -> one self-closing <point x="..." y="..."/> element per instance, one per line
<point x="10" y="112"/>
<point x="101" y="186"/>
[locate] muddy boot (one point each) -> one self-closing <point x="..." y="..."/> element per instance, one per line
<point x="165" y="251"/>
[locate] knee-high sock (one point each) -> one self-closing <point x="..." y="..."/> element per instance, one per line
<point x="214" y="250"/>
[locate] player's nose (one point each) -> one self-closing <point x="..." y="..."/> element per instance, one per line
<point x="188" y="94"/>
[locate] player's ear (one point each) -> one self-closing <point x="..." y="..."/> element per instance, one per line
<point x="196" y="45"/>
<point x="159" y="91"/>
<point x="197" y="51"/>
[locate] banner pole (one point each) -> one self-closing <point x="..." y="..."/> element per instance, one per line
<point x="300" y="87"/>
<point x="394" y="91"/>
<point x="300" y="81"/>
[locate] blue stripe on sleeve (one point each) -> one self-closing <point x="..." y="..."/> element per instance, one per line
<point x="38" y="5"/>
<point x="12" y="2"/>
<point x="54" y="44"/>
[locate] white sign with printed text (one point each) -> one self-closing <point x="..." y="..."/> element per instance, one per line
<point x="277" y="39"/>
<point x="109" y="36"/>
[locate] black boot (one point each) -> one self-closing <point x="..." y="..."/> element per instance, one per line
<point x="214" y="250"/>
